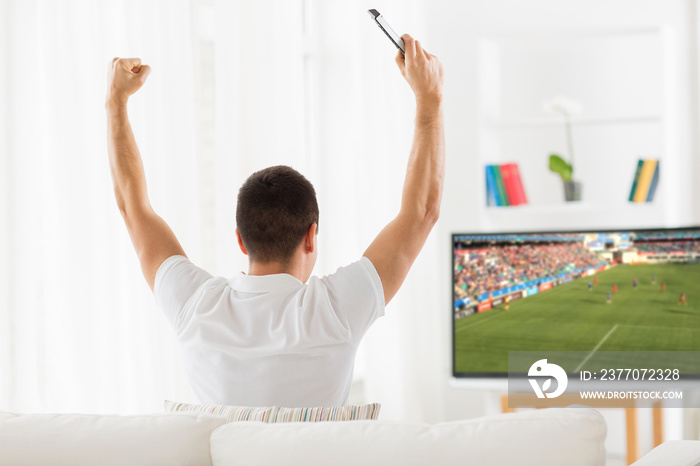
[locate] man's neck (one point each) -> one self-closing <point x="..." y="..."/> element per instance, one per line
<point x="272" y="268"/>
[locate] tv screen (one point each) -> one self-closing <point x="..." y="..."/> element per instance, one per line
<point x="621" y="290"/>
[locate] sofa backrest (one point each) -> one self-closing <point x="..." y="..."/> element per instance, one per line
<point x="89" y="440"/>
<point x="550" y="437"/>
<point x="573" y="436"/>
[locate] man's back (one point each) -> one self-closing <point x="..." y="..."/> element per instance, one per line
<point x="269" y="340"/>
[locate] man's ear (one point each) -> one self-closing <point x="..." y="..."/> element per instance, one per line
<point x="310" y="239"/>
<point x="240" y="243"/>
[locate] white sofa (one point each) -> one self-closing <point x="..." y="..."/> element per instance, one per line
<point x="573" y="437"/>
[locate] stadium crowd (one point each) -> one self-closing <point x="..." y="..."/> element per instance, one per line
<point x="493" y="268"/>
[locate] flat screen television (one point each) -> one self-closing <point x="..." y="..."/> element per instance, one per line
<point x="601" y="290"/>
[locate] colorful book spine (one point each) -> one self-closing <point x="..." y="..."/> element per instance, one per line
<point x="514" y="184"/>
<point x="645" y="179"/>
<point x="490" y="187"/>
<point x="654" y="182"/>
<point x="635" y="182"/>
<point x="504" y="186"/>
<point x="507" y="176"/>
<point x="492" y="170"/>
<point x="501" y="194"/>
<point x="519" y="188"/>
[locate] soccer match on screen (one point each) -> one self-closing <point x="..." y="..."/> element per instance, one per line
<point x="573" y="291"/>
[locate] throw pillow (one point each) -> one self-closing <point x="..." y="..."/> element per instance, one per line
<point x="278" y="414"/>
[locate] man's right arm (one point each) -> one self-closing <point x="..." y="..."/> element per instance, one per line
<point x="396" y="247"/>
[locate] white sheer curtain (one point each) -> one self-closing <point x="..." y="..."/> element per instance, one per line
<point x="78" y="326"/>
<point x="258" y="106"/>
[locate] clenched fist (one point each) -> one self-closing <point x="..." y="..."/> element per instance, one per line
<point x="126" y="76"/>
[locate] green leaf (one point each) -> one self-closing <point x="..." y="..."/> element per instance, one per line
<point x="561" y="167"/>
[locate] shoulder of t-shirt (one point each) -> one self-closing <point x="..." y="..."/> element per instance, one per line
<point x="353" y="287"/>
<point x="172" y="262"/>
<point x="178" y="280"/>
<point x="362" y="265"/>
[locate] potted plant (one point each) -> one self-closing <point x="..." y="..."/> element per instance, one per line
<point x="566" y="107"/>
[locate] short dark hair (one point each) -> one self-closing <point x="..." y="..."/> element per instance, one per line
<point x="276" y="207"/>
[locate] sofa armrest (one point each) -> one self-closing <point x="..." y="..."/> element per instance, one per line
<point x="676" y="452"/>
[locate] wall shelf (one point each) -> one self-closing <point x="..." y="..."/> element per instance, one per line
<point x="573" y="215"/>
<point x="558" y="122"/>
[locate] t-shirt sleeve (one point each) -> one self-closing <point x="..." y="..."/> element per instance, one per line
<point x="357" y="296"/>
<point x="176" y="282"/>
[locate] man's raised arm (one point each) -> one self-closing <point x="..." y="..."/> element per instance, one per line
<point x="153" y="239"/>
<point x="398" y="244"/>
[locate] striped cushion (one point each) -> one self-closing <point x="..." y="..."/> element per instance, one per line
<point x="276" y="414"/>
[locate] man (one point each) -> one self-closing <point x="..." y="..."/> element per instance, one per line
<point x="278" y="336"/>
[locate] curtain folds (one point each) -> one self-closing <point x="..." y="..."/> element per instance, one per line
<point x="80" y="331"/>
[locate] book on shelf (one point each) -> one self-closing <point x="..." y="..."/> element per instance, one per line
<point x="645" y="182"/>
<point x="491" y="199"/>
<point x="635" y="181"/>
<point x="654" y="182"/>
<point x="504" y="186"/>
<point x="513" y="183"/>
<point x="495" y="191"/>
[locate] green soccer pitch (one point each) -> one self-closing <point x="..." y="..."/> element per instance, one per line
<point x="569" y="317"/>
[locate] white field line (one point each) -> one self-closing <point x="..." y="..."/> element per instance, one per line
<point x="480" y="322"/>
<point x="600" y="343"/>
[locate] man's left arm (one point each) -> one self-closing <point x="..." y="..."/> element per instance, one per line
<point x="153" y="239"/>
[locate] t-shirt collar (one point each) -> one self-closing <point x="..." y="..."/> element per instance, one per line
<point x="264" y="283"/>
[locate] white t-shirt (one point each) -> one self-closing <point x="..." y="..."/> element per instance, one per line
<point x="269" y="340"/>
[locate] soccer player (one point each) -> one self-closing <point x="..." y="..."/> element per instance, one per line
<point x="634" y="283"/>
<point x="595" y="280"/>
<point x="653" y="279"/>
<point x="615" y="288"/>
<point x="590" y="285"/>
<point x="609" y="298"/>
<point x="507" y="301"/>
<point x="681" y="300"/>
<point x="663" y="287"/>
